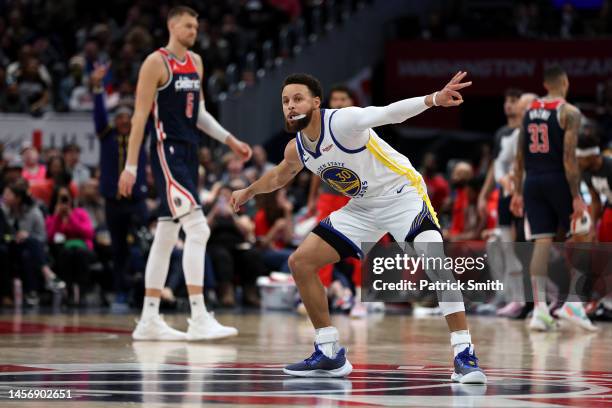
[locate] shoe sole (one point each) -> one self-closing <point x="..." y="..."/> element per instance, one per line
<point x="538" y="327"/>
<point x="214" y="337"/>
<point x="144" y="338"/>
<point x="541" y="327"/>
<point x="343" y="371"/>
<point x="475" y="377"/>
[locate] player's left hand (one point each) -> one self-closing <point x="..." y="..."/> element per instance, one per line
<point x="516" y="205"/>
<point x="579" y="207"/>
<point x="240" y="197"/>
<point x="449" y="96"/>
<point x="242" y="149"/>
<point x="126" y="183"/>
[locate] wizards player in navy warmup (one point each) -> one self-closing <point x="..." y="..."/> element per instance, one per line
<point x="169" y="90"/>
<point x="550" y="193"/>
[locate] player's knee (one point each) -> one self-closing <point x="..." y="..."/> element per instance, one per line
<point x="166" y="234"/>
<point x="199" y="233"/>
<point x="294" y="262"/>
<point x="299" y="265"/>
<point x="196" y="228"/>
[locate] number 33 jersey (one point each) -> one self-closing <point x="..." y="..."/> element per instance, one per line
<point x="175" y="108"/>
<point x="373" y="170"/>
<point x="543" y="143"/>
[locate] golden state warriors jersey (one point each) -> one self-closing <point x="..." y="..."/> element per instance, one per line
<point x="374" y="170"/>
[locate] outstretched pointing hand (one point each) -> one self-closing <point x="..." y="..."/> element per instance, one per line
<point x="449" y="96"/>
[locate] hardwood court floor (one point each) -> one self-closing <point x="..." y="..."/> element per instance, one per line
<point x="399" y="361"/>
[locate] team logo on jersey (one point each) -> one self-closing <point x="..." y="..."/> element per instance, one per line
<point x="184" y="83"/>
<point x="343" y="180"/>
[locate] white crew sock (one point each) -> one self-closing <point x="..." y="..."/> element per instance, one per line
<point x="327" y="340"/>
<point x="150" y="307"/>
<point x="198" y="308"/>
<point x="538" y="284"/>
<point x="460" y="339"/>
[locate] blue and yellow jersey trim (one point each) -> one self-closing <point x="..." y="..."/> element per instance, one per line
<point x="414" y="178"/>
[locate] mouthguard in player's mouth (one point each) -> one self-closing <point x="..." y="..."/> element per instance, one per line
<point x="297" y="117"/>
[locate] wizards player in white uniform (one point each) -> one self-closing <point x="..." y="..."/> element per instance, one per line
<point x="388" y="195"/>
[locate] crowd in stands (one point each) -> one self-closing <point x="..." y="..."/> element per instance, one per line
<point x="527" y="19"/>
<point x="48" y="49"/>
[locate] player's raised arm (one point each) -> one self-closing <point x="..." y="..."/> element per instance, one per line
<point x="209" y="125"/>
<point x="272" y="180"/>
<point x="150" y="75"/>
<point x="354" y="119"/>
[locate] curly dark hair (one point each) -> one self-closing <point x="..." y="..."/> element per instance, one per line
<point x="312" y="83"/>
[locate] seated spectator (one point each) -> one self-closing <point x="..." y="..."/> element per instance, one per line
<point x="437" y="186"/>
<point x="57" y="176"/>
<point x="12" y="169"/>
<point x="297" y="190"/>
<point x="15" y="69"/>
<point x="274" y="229"/>
<point x="73" y="92"/>
<point x="27" y="236"/>
<point x="48" y="152"/>
<point x="92" y="202"/>
<point x="234" y="258"/>
<point x="70" y="234"/>
<point x="260" y="164"/>
<point x="72" y="155"/>
<point x="33" y="88"/>
<point x="233" y="166"/>
<point x="32" y="169"/>
<point x="466" y="223"/>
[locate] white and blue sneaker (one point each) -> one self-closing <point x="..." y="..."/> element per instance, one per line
<point x="319" y="365"/>
<point x="466" y="368"/>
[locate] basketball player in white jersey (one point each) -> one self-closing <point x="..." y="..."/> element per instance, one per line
<point x="169" y="90"/>
<point x="387" y="195"/>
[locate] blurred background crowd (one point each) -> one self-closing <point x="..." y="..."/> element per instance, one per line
<point x="66" y="240"/>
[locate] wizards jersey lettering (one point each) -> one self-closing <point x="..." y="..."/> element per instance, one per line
<point x="176" y="104"/>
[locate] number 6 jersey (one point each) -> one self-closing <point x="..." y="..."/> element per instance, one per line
<point x="179" y="98"/>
